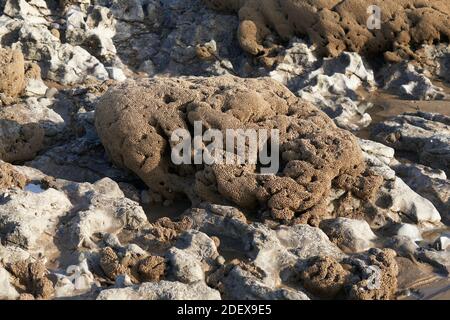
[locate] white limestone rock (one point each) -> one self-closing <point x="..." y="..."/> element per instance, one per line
<point x="349" y="234"/>
<point x="163" y="290"/>
<point x="63" y="63"/>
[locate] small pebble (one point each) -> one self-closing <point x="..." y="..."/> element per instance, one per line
<point x="51" y="92"/>
<point x="220" y="260"/>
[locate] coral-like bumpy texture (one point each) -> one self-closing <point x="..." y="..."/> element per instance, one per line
<point x="135" y="121"/>
<point x="341" y="25"/>
<point x="12" y="79"/>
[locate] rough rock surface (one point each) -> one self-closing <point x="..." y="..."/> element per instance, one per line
<point x="163" y="290"/>
<point x="193" y="255"/>
<point x="398" y="197"/>
<point x="335" y="26"/>
<point x="103" y="208"/>
<point x="7" y="290"/>
<point x="333" y="88"/>
<point x="331" y="84"/>
<point x="12" y="73"/>
<point x="73" y="225"/>
<point x="28" y="219"/>
<point x="10" y="178"/>
<point x="421" y="133"/>
<point x="27" y="128"/>
<point x="32" y="278"/>
<point x="405" y="80"/>
<point x="375" y="283"/>
<point x="60" y="62"/>
<point x="431" y="184"/>
<point x="324" y="277"/>
<point x="140" y="269"/>
<point x="290" y="254"/>
<point x="313" y="151"/>
<point x="350" y="235"/>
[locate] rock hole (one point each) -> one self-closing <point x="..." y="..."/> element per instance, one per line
<point x="169" y="99"/>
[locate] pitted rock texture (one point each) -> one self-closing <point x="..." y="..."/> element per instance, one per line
<point x="31" y="279"/>
<point x="372" y="275"/>
<point x="336" y="26"/>
<point x="375" y="275"/>
<point x="324" y="277"/>
<point x="135" y="122"/>
<point x="10" y="178"/>
<point x="147" y="269"/>
<point x="12" y="73"/>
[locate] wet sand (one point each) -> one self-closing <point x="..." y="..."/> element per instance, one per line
<point x="418" y="281"/>
<point x="438" y="290"/>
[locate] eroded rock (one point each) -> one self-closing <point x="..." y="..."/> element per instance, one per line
<point x="31" y="278"/>
<point x="29" y="219"/>
<point x="59" y="62"/>
<point x="336" y="26"/>
<point x="27" y="128"/>
<point x="12" y="74"/>
<point x="103" y="208"/>
<point x="163" y="290"/>
<point x="7" y="290"/>
<point x="421" y="133"/>
<point x="313" y="151"/>
<point x="406" y="81"/>
<point x="324" y="277"/>
<point x="350" y="235"/>
<point x="10" y="178"/>
<point x="376" y="276"/>
<point x="431" y="184"/>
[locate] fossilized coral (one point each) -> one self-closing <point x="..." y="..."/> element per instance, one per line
<point x="369" y="276"/>
<point x="31" y="278"/>
<point x="336" y="26"/>
<point x="135" y="123"/>
<point x="10" y="178"/>
<point x="324" y="277"/>
<point x="140" y="269"/>
<point x="12" y="76"/>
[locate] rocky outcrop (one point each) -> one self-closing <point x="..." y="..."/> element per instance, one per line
<point x="27" y="128"/>
<point x="76" y="225"/>
<point x="313" y="152"/>
<point x="350" y="235"/>
<point x="431" y="184"/>
<point x="12" y="74"/>
<point x="289" y="254"/>
<point x="163" y="290"/>
<point x="405" y="80"/>
<point x="28" y="219"/>
<point x="59" y="62"/>
<point x="421" y="133"/>
<point x="331" y="84"/>
<point x="31" y="277"/>
<point x="336" y="26"/>
<point x="10" y="177"/>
